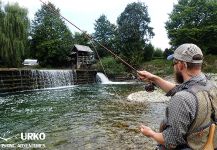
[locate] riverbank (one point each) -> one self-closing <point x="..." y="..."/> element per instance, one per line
<point x="164" y="67"/>
<point x="158" y="95"/>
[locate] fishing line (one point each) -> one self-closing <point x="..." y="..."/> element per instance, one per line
<point x="148" y="87"/>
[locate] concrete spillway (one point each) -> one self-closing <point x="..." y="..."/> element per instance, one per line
<point x="12" y="80"/>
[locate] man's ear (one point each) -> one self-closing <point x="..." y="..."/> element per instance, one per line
<point x="182" y="66"/>
<point x="185" y="65"/>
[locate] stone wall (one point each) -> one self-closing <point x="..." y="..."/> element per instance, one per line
<point x="84" y="76"/>
<point x="12" y="80"/>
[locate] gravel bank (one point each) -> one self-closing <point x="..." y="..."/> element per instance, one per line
<point x="158" y="95"/>
<point x="143" y="96"/>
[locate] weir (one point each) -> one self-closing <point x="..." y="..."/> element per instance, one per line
<point x="12" y="80"/>
<point x="102" y="78"/>
<point x="52" y="78"/>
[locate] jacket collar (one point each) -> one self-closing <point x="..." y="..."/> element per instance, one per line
<point x="199" y="79"/>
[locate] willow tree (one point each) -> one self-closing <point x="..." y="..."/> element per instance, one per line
<point x="14" y="26"/>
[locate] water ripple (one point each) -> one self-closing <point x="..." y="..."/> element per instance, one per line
<point x="80" y="117"/>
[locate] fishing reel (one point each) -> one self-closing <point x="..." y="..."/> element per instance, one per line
<point x="150" y="87"/>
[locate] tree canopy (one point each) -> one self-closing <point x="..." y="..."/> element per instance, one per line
<point x="14" y="28"/>
<point x="81" y="39"/>
<point x="134" y="32"/>
<point x="194" y="21"/>
<point x="51" y="39"/>
<point x="105" y="33"/>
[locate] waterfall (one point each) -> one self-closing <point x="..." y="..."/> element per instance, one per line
<point x="103" y="79"/>
<point x="13" y="80"/>
<point x="52" y="78"/>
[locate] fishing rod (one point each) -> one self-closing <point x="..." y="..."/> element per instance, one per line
<point x="149" y="87"/>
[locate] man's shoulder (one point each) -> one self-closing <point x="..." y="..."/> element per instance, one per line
<point x="184" y="96"/>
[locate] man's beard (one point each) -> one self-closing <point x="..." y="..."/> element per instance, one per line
<point x="178" y="77"/>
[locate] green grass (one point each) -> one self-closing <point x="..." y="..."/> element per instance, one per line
<point x="210" y="64"/>
<point x="159" y="67"/>
<point x="164" y="67"/>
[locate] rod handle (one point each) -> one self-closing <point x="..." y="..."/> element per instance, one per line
<point x="210" y="141"/>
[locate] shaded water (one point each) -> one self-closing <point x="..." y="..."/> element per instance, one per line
<point x="80" y="117"/>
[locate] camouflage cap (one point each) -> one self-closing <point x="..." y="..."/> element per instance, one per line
<point x="186" y="52"/>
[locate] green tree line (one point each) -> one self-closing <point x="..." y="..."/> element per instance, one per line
<point x="48" y="39"/>
<point x="194" y="21"/>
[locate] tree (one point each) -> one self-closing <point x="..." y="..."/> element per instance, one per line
<point x="105" y="33"/>
<point x="14" y="26"/>
<point x="51" y="39"/>
<point x="80" y="38"/>
<point x="134" y="32"/>
<point x="1" y="32"/>
<point x="194" y="21"/>
<point x="148" y="52"/>
<point x="167" y="52"/>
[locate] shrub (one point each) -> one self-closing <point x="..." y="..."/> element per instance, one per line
<point x="110" y="66"/>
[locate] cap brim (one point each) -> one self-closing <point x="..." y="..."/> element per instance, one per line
<point x="170" y="57"/>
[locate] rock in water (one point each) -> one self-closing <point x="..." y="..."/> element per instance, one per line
<point x="143" y="96"/>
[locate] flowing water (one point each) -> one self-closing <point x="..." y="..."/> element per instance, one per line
<point x="103" y="79"/>
<point x="52" y="78"/>
<point x="79" y="117"/>
<point x="96" y="116"/>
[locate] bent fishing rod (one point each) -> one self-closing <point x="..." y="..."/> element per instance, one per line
<point x="149" y="87"/>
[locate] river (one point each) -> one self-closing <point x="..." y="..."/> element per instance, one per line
<point x="97" y="116"/>
<point x="79" y="117"/>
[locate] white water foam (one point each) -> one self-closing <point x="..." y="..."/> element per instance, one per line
<point x="105" y="80"/>
<point x="53" y="78"/>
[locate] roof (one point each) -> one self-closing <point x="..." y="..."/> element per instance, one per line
<point x="83" y="48"/>
<point x="30" y="62"/>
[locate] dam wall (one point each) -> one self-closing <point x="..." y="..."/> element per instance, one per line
<point x="13" y="79"/>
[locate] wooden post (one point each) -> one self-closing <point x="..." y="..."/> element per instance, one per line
<point x="77" y="59"/>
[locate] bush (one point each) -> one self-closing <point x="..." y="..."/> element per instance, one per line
<point x="159" y="67"/>
<point x="110" y="66"/>
<point x="158" y="53"/>
<point x="210" y="64"/>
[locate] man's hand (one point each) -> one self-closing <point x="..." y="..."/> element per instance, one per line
<point x="146" y="76"/>
<point x="146" y="131"/>
<point x="158" y="137"/>
<point x="163" y="84"/>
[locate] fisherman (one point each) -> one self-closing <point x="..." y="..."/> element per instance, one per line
<point x="193" y="104"/>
